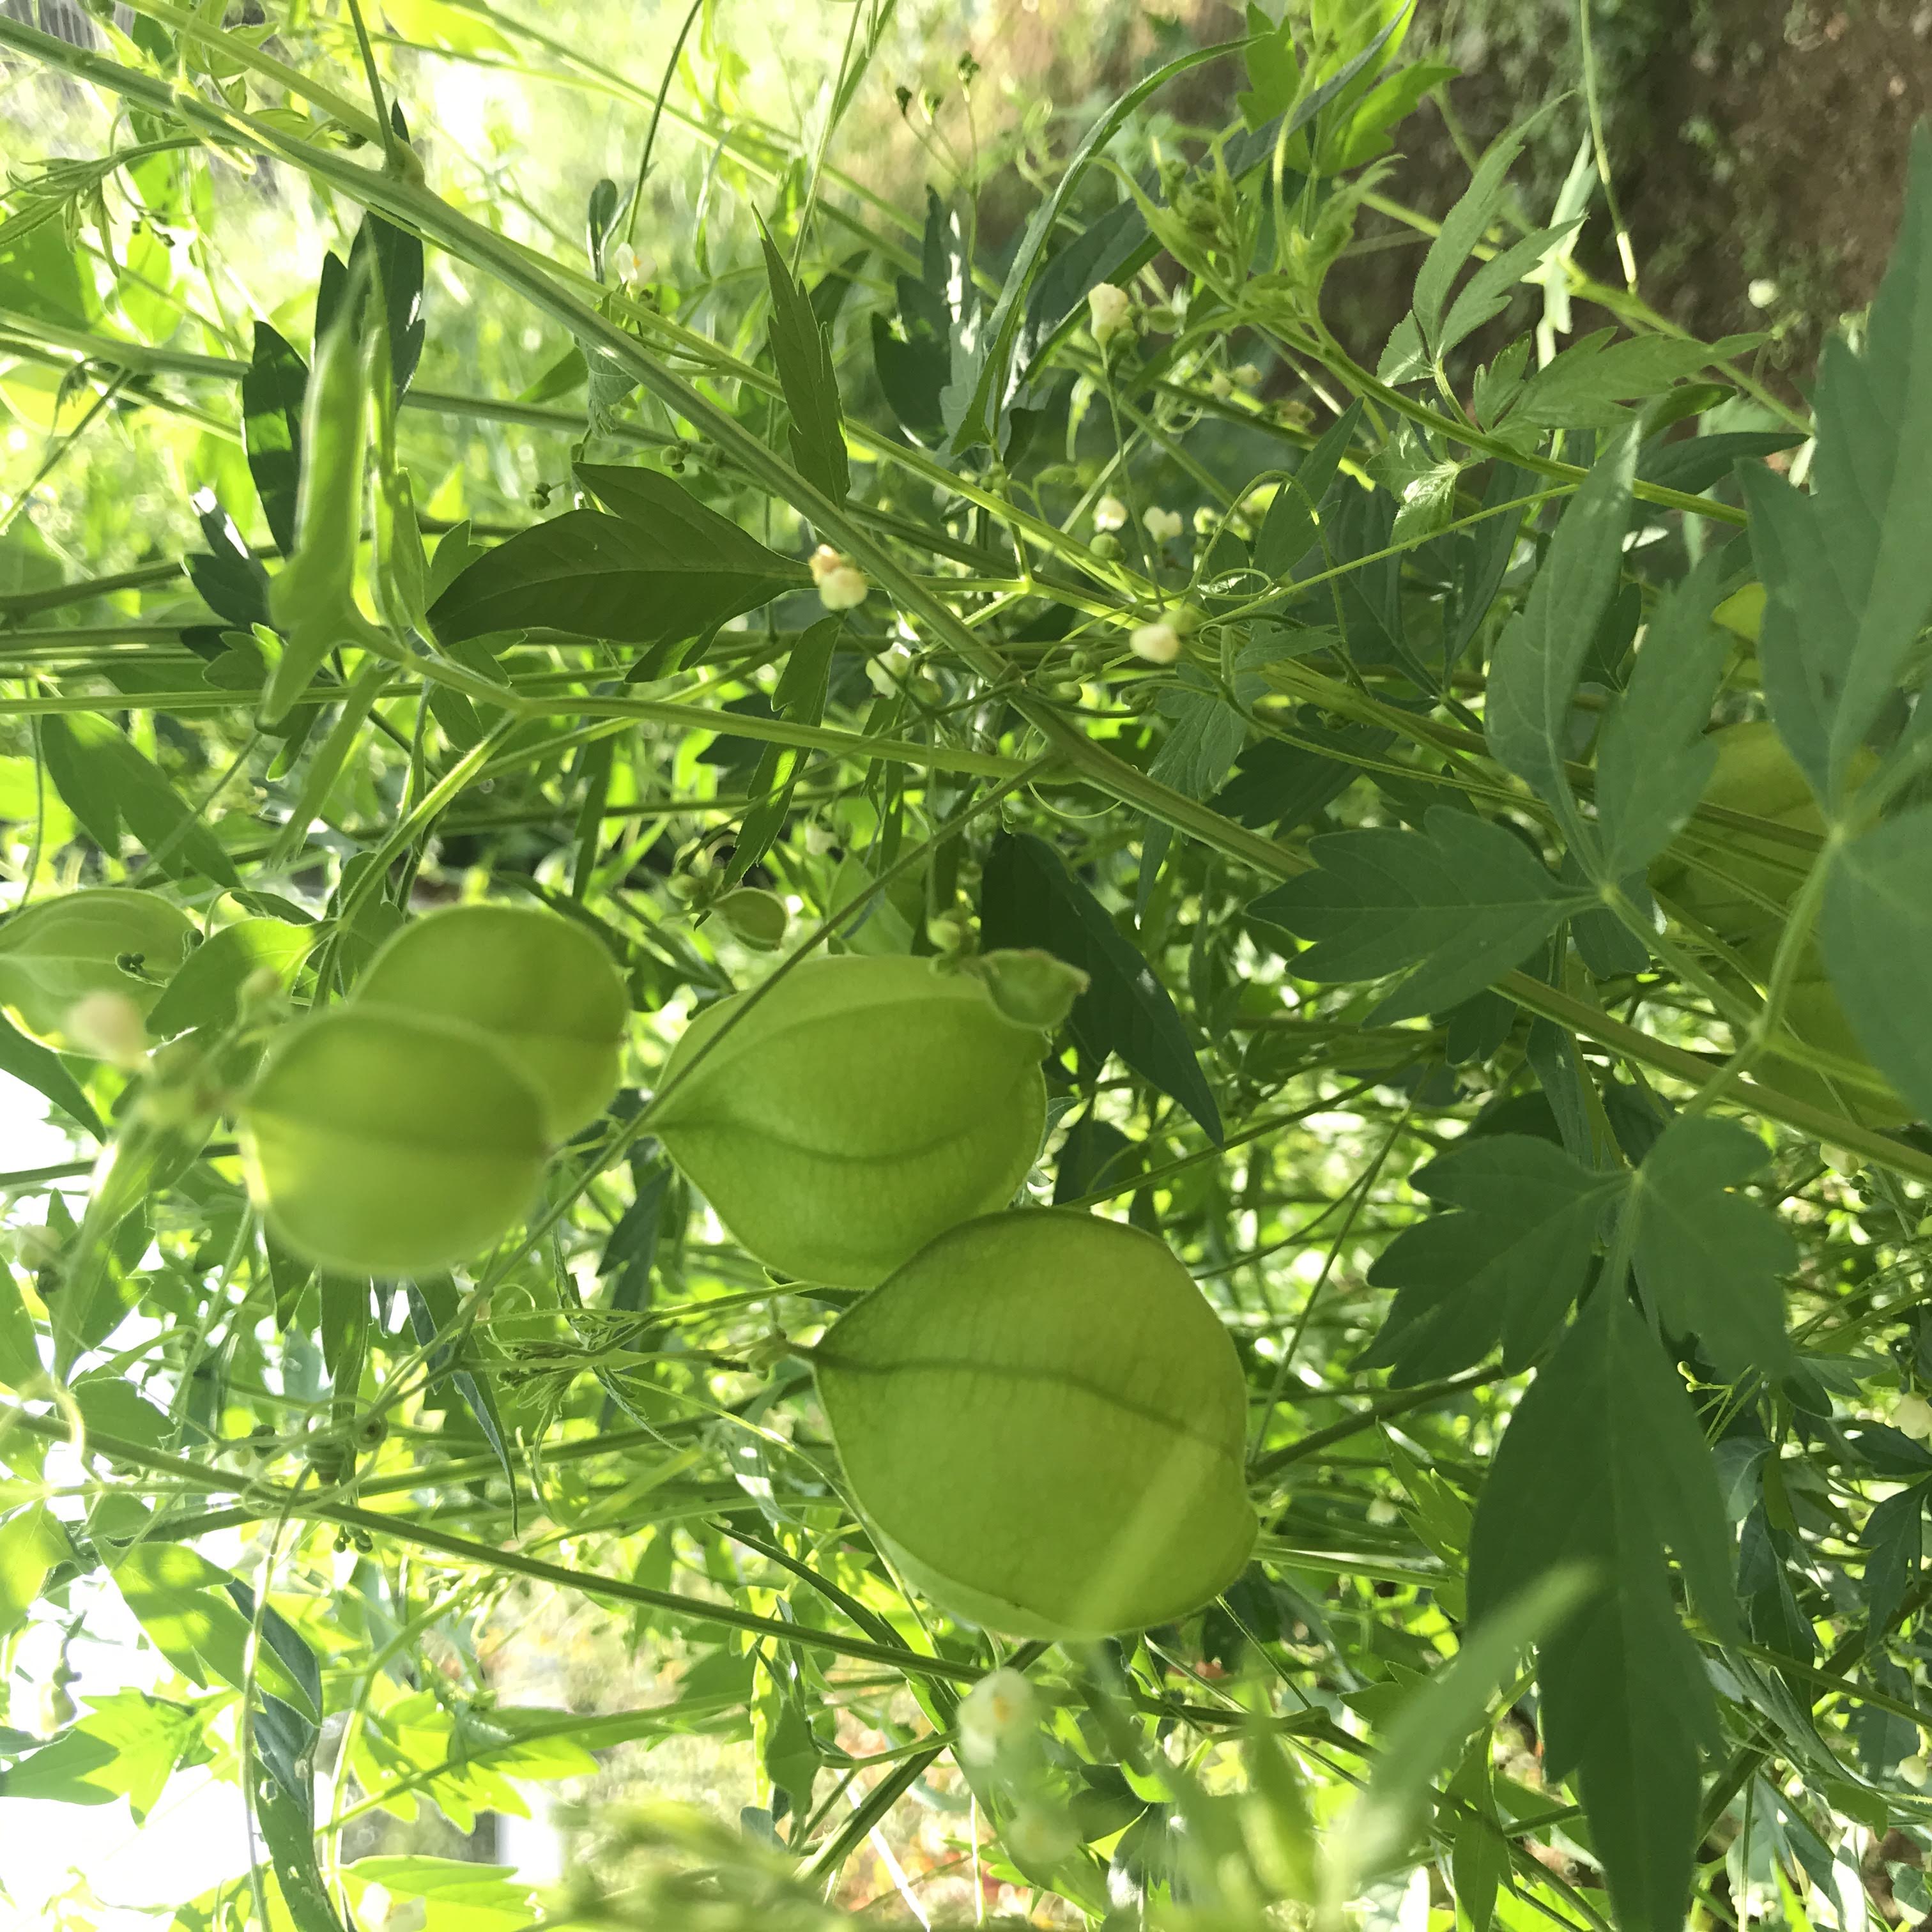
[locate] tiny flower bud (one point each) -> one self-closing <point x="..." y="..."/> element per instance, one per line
<point x="108" y="1026"/>
<point x="823" y="562"/>
<point x="1110" y="514"/>
<point x="1163" y="526"/>
<point x="843" y="589"/>
<point x="1158" y="644"/>
<point x="1108" y="309"/>
<point x="754" y="917"/>
<point x="1000" y="1711"/>
<point x="1382" y="1512"/>
<point x="1106" y="546"/>
<point x="1246" y="374"/>
<point x="1221" y="387"/>
<point x="1915" y="1771"/>
<point x="1031" y="988"/>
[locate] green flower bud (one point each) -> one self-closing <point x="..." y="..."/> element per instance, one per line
<point x="1031" y="988"/>
<point x="384" y="1142"/>
<point x="753" y="916"/>
<point x="542" y="986"/>
<point x="106" y="939"/>
<point x="1043" y="1423"/>
<point x="860" y="1108"/>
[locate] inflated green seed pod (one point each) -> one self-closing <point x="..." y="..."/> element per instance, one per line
<point x="383" y="1142"/>
<point x="861" y="1107"/>
<point x="1043" y="1423"/>
<point x="1755" y="774"/>
<point x="542" y="986"/>
<point x="1812" y="1012"/>
<point x="55" y="953"/>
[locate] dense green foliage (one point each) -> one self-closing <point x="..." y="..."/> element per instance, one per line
<point x="1418" y="852"/>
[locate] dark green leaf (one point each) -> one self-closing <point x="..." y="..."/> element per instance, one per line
<point x="433" y="1307"/>
<point x="1502" y="1268"/>
<point x="108" y="784"/>
<point x="1279" y="786"/>
<point x="1289" y="528"/>
<point x="272" y="390"/>
<point x="1708" y="1260"/>
<point x="1846" y="600"/>
<point x="1583" y="388"/>
<point x="1028" y="897"/>
<point x="1693" y="463"/>
<point x="633" y="582"/>
<point x="1464" y="225"/>
<point x="913" y="374"/>
<point x="1653" y="761"/>
<point x="44" y="1071"/>
<point x="1604" y="1465"/>
<point x="800" y="697"/>
<point x="1533" y="677"/>
<point x="802" y="348"/>
<point x="1875" y="935"/>
<point x="1487" y="292"/>
<point x="1894" y="1543"/>
<point x="1461" y="903"/>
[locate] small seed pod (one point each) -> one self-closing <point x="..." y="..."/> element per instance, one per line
<point x="1043" y="1423"/>
<point x="383" y="1142"/>
<point x="860" y="1108"/>
<point x="106" y="939"/>
<point x="542" y="986"/>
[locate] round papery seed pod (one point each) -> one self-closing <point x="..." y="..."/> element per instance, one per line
<point x="55" y="953"/>
<point x="860" y="1107"/>
<point x="542" y="986"/>
<point x="1043" y="1423"/>
<point x="383" y="1142"/>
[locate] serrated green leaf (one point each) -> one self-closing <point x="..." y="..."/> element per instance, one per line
<point x="1653" y="760"/>
<point x="1501" y="1268"/>
<point x="1456" y="906"/>
<point x="1539" y="657"/>
<point x="1708" y="1259"/>
<point x="1603" y="1464"/>
<point x="1875" y="933"/>
<point x="1894" y="1543"/>
<point x="1462" y="227"/>
<point x="1487" y="292"/>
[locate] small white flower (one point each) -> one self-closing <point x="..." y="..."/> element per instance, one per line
<point x="1108" y="308"/>
<point x="633" y="270"/>
<point x="109" y="1025"/>
<point x="1914" y="1416"/>
<point x="823" y="562"/>
<point x="887" y="671"/>
<point x="1382" y="1512"/>
<point x="1163" y="526"/>
<point x="1110" y="514"/>
<point x="1219" y="384"/>
<point x="842" y="589"/>
<point x="1245" y="374"/>
<point x="1159" y="643"/>
<point x="1000" y="1710"/>
<point x="819" y="839"/>
<point x="1762" y="293"/>
<point x="1915" y="1771"/>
